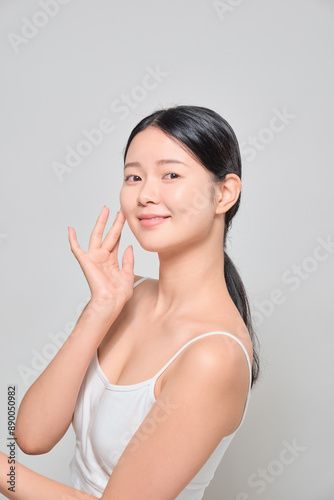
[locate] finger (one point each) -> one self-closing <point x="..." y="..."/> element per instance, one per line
<point x="75" y="247"/>
<point x="114" y="233"/>
<point x="115" y="249"/>
<point x="96" y="236"/>
<point x="128" y="261"/>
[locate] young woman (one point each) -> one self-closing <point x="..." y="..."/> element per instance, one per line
<point x="156" y="375"/>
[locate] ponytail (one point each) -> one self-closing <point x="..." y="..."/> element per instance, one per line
<point x="238" y="294"/>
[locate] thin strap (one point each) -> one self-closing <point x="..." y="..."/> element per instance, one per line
<point x="205" y="335"/>
<point x="139" y="281"/>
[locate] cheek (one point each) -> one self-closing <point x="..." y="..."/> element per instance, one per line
<point x="124" y="202"/>
<point x="195" y="201"/>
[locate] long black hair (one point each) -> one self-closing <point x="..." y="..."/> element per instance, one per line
<point x="212" y="141"/>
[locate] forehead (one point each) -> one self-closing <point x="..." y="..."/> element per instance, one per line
<point x="153" y="144"/>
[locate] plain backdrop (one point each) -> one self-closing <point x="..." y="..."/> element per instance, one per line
<point x="265" y="66"/>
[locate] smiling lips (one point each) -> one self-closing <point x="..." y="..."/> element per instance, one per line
<point x="152" y="216"/>
<point x="149" y="220"/>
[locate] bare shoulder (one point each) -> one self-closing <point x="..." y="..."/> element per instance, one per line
<point x="218" y="356"/>
<point x="215" y="370"/>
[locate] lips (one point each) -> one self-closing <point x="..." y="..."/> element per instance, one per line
<point x="153" y="216"/>
<point x="152" y="220"/>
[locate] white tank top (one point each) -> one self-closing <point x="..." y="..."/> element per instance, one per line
<point x="106" y="416"/>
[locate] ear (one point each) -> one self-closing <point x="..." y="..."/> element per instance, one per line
<point x="228" y="192"/>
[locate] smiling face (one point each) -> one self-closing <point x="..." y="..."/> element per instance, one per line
<point x="162" y="180"/>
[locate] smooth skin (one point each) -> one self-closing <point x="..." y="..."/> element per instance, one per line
<point x="205" y="396"/>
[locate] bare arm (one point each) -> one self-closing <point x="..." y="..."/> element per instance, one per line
<point x="46" y="410"/>
<point x="28" y="485"/>
<point x="202" y="401"/>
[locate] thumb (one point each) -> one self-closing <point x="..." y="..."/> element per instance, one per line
<point x="128" y="260"/>
<point x="75" y="247"/>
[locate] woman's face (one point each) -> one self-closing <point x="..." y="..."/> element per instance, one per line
<point x="162" y="180"/>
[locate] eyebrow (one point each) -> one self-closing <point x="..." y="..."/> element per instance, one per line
<point x="158" y="163"/>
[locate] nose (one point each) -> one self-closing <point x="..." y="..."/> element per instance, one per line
<point x="149" y="192"/>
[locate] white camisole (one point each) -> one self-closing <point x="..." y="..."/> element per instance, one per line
<point x="106" y="416"/>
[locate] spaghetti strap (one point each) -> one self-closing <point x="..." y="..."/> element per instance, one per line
<point x="199" y="337"/>
<point x="205" y="335"/>
<point x="139" y="281"/>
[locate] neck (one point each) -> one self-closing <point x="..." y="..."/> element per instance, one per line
<point x="191" y="280"/>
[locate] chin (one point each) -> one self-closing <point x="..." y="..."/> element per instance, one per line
<point x="152" y="246"/>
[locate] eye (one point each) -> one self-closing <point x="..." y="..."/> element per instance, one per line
<point x="173" y="173"/>
<point x="128" y="177"/>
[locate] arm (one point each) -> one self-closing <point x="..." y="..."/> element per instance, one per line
<point x="46" y="410"/>
<point x="32" y="486"/>
<point x="201" y="401"/>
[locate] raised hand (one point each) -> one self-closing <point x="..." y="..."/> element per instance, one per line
<point x="107" y="282"/>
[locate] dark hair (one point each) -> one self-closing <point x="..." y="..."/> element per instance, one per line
<point x="212" y="141"/>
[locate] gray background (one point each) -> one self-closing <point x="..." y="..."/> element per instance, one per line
<point x="248" y="60"/>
